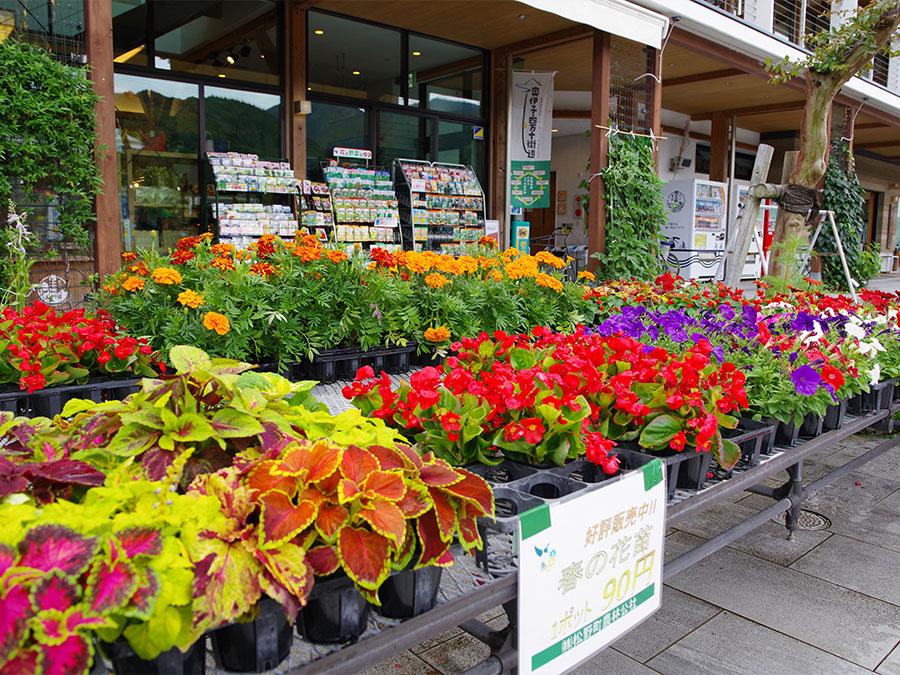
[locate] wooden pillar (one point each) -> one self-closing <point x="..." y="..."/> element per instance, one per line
<point x="99" y="47"/>
<point x="295" y="83"/>
<point x="718" y="147"/>
<point x="499" y="122"/>
<point x="599" y="143"/>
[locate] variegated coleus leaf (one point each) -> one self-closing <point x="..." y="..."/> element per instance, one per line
<point x="48" y="547"/>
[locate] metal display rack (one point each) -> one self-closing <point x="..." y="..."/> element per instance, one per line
<point x="441" y="205"/>
<point x="239" y="220"/>
<point x="467" y="591"/>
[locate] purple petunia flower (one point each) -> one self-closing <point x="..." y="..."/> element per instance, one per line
<point x="806" y="380"/>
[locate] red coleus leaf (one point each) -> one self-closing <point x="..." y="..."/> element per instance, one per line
<point x="136" y="541"/>
<point x="295" y="462"/>
<point x="49" y="547"/>
<point x="433" y="546"/>
<point x="54" y="591"/>
<point x="330" y="519"/>
<point x="357" y="464"/>
<point x="7" y="558"/>
<point x="439" y="473"/>
<point x="25" y="662"/>
<point x="110" y="584"/>
<point x="444" y="512"/>
<point x="411" y="455"/>
<point x="474" y="489"/>
<point x="144" y="598"/>
<point x="73" y="655"/>
<point x="385" y="485"/>
<point x="386" y="519"/>
<point x="67" y="471"/>
<point x="415" y="502"/>
<point x="347" y="491"/>
<point x="325" y="458"/>
<point x="390" y="458"/>
<point x="323" y="559"/>
<point x="365" y="556"/>
<point x="15" y="610"/>
<point x="263" y="480"/>
<point x="281" y="521"/>
<point x="467" y="527"/>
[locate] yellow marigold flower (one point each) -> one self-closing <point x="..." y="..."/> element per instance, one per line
<point x="525" y="267"/>
<point x="496" y="275"/>
<point x="436" y="280"/>
<point x="549" y="282"/>
<point x="217" y="322"/>
<point x="584" y="274"/>
<point x="166" y="276"/>
<point x="439" y="334"/>
<point x="134" y="284"/>
<point x="549" y="259"/>
<point x="336" y="256"/>
<point x="206" y="236"/>
<point x="190" y="299"/>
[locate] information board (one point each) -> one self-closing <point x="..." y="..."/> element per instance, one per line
<point x="590" y="570"/>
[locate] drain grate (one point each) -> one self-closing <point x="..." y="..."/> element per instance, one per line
<point x="808" y="520"/>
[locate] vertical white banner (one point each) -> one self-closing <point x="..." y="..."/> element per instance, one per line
<point x="530" y="129"/>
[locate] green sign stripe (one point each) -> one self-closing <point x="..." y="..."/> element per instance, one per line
<point x="544" y="657"/>
<point x="534" y="521"/>
<point x="653" y="473"/>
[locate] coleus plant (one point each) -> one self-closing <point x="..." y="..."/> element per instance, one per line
<point x="363" y="509"/>
<point x="42" y="348"/>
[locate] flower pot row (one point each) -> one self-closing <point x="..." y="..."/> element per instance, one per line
<point x="51" y="401"/>
<point x="342" y="363"/>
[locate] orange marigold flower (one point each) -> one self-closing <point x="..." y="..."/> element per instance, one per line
<point x="549" y="259"/>
<point x="206" y="236"/>
<point x="495" y="275"/>
<point x="266" y="245"/>
<point x="263" y="269"/>
<point x="448" y="265"/>
<point x="112" y="289"/>
<point x="436" y="280"/>
<point x="487" y="242"/>
<point x="128" y="256"/>
<point x="186" y="243"/>
<point x="336" y="256"/>
<point x="134" y="284"/>
<point x="309" y="240"/>
<point x="467" y="264"/>
<point x="524" y="267"/>
<point x="549" y="282"/>
<point x="166" y="276"/>
<point x="584" y="274"/>
<point x="181" y="257"/>
<point x="217" y="322"/>
<point x="222" y="249"/>
<point x="222" y="263"/>
<point x="190" y="299"/>
<point x="308" y="253"/>
<point x="439" y="334"/>
<point x="139" y="268"/>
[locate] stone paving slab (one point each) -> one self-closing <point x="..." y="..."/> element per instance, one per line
<point x="844" y="622"/>
<point x="862" y="567"/>
<point x="879" y="526"/>
<point x="887" y="466"/>
<point x="612" y="662"/>
<point x="404" y="663"/>
<point x="891" y="665"/>
<point x="460" y="653"/>
<point x="731" y="645"/>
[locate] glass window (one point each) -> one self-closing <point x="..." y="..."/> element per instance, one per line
<point x="330" y="126"/>
<point x="57" y="25"/>
<point x="157" y="144"/>
<point x="354" y="59"/>
<point x="445" y="77"/>
<point x="243" y="121"/>
<point x="457" y="145"/>
<point x="230" y="40"/>
<point x="406" y="136"/>
<point x="130" y="32"/>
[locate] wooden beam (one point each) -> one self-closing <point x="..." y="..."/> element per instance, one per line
<point x="875" y="144"/>
<point x="99" y="47"/>
<point x="501" y="66"/>
<point x="295" y="83"/>
<point x="600" y="81"/>
<point x="703" y="77"/>
<point x="751" y="110"/>
<point x="696" y="135"/>
<point x="718" y="147"/>
<point x="871" y="125"/>
<point x="571" y="114"/>
<point x="554" y="39"/>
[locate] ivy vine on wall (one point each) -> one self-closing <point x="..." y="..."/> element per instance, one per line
<point x="47" y="134"/>
<point x="635" y="211"/>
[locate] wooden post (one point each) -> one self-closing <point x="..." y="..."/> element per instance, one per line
<point x="295" y="82"/>
<point x="499" y="169"/>
<point x="656" y="99"/>
<point x="99" y="47"/>
<point x="742" y="232"/>
<point x="599" y="144"/>
<point x="718" y="147"/>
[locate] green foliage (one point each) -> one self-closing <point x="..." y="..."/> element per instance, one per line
<point x="844" y="196"/>
<point x="832" y="50"/>
<point x="635" y="211"/>
<point x="47" y="133"/>
<point x="15" y="263"/>
<point x="789" y="253"/>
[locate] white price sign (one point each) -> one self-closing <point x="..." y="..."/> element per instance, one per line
<point x="353" y="153"/>
<point x="590" y="570"/>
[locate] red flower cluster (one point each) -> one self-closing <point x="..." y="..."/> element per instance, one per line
<point x="42" y="347"/>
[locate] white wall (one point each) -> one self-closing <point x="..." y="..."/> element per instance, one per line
<point x="569" y="161"/>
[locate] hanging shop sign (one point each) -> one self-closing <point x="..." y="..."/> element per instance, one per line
<point x="531" y="120"/>
<point x="353" y="153"/>
<point x="590" y="570"/>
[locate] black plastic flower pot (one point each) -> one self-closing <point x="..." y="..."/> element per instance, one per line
<point x="811" y="427"/>
<point x="547" y="486"/>
<point x="502" y="473"/>
<point x="173" y="662"/>
<point x="586" y="471"/>
<point x="255" y="646"/>
<point x="879" y="397"/>
<point x="334" y="613"/>
<point x="409" y="592"/>
<point x="785" y="434"/>
<point x="834" y="415"/>
<point x="684" y="470"/>
<point x="51" y="401"/>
